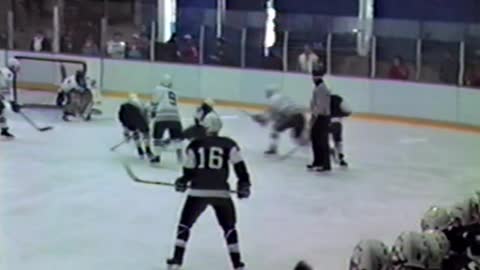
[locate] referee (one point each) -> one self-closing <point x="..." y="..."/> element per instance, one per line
<point x="320" y="108"/>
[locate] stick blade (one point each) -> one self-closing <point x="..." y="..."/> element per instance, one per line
<point x="45" y="129"/>
<point x="130" y="172"/>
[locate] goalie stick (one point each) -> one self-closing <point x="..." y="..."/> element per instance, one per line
<point x="33" y="124"/>
<point x="135" y="178"/>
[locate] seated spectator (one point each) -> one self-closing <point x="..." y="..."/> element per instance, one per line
<point x="116" y="48"/>
<point x="40" y="43"/>
<point x="138" y="48"/>
<point x="474" y="78"/>
<point x="3" y="41"/>
<point x="189" y="52"/>
<point x="398" y="70"/>
<point x="307" y="60"/>
<point x="449" y="69"/>
<point x="90" y="48"/>
<point x="220" y="56"/>
<point x="272" y="61"/>
<point x="66" y="44"/>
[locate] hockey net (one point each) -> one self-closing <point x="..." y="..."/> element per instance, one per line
<point x="39" y="78"/>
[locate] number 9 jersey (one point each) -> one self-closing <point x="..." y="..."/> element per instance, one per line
<point x="164" y="104"/>
<point x="207" y="164"/>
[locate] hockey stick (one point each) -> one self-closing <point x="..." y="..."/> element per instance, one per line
<point x="113" y="148"/>
<point x="139" y="180"/>
<point x="289" y="153"/>
<point x="135" y="178"/>
<point x="30" y="121"/>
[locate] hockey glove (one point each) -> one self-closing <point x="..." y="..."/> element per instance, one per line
<point x="15" y="107"/>
<point x="180" y="185"/>
<point x="260" y="118"/>
<point x="243" y="190"/>
<point x="127" y="135"/>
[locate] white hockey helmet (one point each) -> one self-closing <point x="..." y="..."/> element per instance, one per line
<point x="13" y="64"/>
<point x="166" y="81"/>
<point x="212" y="123"/>
<point x="271" y="89"/>
<point x="410" y="250"/>
<point x="435" y="218"/>
<point x="438" y="246"/>
<point x="134" y="99"/>
<point x="209" y="101"/>
<point x="370" y="255"/>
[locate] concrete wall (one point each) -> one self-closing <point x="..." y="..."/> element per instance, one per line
<point x="384" y="97"/>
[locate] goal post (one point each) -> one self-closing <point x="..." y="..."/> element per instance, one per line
<point x="36" y="85"/>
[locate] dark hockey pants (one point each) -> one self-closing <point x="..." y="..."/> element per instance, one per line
<point x="226" y="216"/>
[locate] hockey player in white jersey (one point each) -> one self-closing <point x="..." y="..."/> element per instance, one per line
<point x="285" y="114"/>
<point x="75" y="95"/>
<point x="7" y="77"/>
<point x="165" y="116"/>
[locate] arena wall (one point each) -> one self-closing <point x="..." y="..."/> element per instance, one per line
<point x="410" y="100"/>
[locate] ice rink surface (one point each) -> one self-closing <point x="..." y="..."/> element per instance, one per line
<point x="66" y="202"/>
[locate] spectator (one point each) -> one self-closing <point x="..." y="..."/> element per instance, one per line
<point x="449" y="70"/>
<point x="3" y="41"/>
<point x="90" y="48"/>
<point x="220" y="57"/>
<point x="116" y="48"/>
<point x="172" y="53"/>
<point x="398" y="70"/>
<point x="67" y="44"/>
<point x="189" y="53"/>
<point x="474" y="78"/>
<point x="307" y="59"/>
<point x="40" y="43"/>
<point x="272" y="61"/>
<point x="136" y="48"/>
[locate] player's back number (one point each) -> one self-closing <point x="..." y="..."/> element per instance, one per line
<point x="172" y="98"/>
<point x="210" y="158"/>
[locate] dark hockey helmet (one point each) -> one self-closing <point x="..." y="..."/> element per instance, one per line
<point x="302" y="265"/>
<point x="318" y="72"/>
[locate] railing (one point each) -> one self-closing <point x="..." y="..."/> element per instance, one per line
<point x="128" y="31"/>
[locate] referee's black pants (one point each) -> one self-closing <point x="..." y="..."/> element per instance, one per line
<point x="319" y="137"/>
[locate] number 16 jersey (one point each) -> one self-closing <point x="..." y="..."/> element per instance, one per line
<point x="164" y="105"/>
<point x="207" y="166"/>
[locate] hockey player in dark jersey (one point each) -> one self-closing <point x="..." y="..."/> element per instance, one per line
<point x="338" y="111"/>
<point x="205" y="174"/>
<point x="133" y="116"/>
<point x="198" y="130"/>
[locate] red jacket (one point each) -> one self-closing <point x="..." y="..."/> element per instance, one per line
<point x="399" y="72"/>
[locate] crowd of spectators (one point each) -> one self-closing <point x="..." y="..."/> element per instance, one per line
<point x="185" y="49"/>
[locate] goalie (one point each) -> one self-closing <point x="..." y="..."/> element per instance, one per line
<point x="285" y="115"/>
<point x="7" y="77"/>
<point x="133" y="115"/>
<point x="75" y="95"/>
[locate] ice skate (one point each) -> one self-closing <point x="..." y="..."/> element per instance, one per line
<point x="173" y="264"/>
<point x="271" y="151"/>
<point x="5" y="133"/>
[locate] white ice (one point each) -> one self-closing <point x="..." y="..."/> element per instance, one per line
<point x="66" y="202"/>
